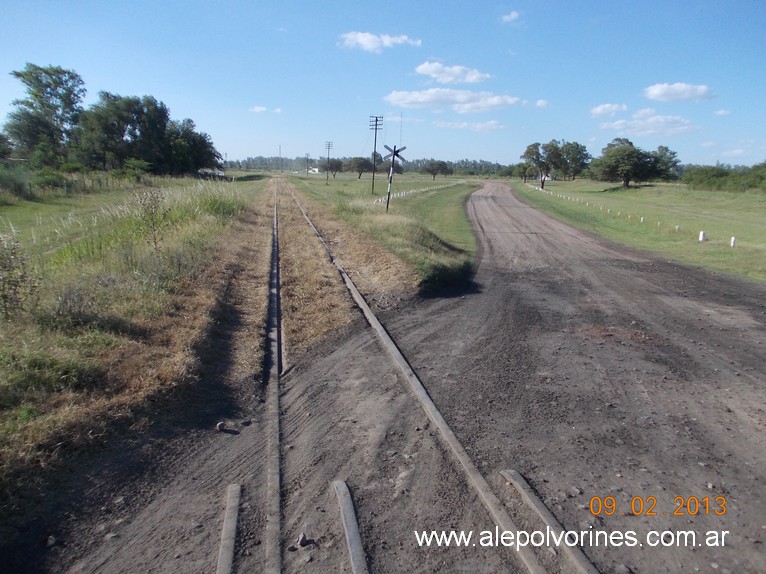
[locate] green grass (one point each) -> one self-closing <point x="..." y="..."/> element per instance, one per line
<point x="427" y="228"/>
<point x="616" y="213"/>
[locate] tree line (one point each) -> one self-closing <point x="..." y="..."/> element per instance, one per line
<point x="620" y="161"/>
<point x="725" y="177"/>
<point x="51" y="129"/>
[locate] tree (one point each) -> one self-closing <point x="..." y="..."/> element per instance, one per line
<point x="665" y="163"/>
<point x="333" y="166"/>
<point x="50" y="111"/>
<point x="358" y="165"/>
<point x="575" y="158"/>
<point x="553" y="157"/>
<point x="535" y="157"/>
<point x="106" y="131"/>
<point x="435" y="167"/>
<point x="622" y="161"/>
<point x="190" y="150"/>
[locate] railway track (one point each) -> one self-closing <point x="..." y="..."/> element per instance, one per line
<point x="275" y="540"/>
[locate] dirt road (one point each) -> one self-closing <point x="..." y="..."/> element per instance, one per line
<point x="592" y="370"/>
<point x="598" y="371"/>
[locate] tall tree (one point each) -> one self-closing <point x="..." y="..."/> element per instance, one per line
<point x="358" y="165"/>
<point x="535" y="157"/>
<point x="47" y="116"/>
<point x="190" y="150"/>
<point x="665" y="163"/>
<point x="553" y="157"/>
<point x="106" y="131"/>
<point x="151" y="144"/>
<point x="622" y="161"/>
<point x="576" y="158"/>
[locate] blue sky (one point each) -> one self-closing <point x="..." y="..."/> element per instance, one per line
<point x="453" y="79"/>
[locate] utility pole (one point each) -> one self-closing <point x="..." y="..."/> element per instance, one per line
<point x="328" y="146"/>
<point x="307" y="164"/>
<point x="375" y="122"/>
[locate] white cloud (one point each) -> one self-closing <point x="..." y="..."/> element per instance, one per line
<point x="489" y="126"/>
<point x="646" y="122"/>
<point x="607" y="110"/>
<point x="511" y="16"/>
<point x="262" y="109"/>
<point x="460" y="101"/>
<point x="374" y="42"/>
<point x="722" y="113"/>
<point x="678" y="92"/>
<point x="542" y="103"/>
<point x="451" y="74"/>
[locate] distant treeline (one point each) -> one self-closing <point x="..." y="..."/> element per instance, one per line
<point x="300" y="163"/>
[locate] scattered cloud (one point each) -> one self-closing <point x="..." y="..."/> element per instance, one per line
<point x="707" y="144"/>
<point x="489" y="126"/>
<point x="262" y="109"/>
<point x="512" y="16"/>
<point x="460" y="101"/>
<point x="678" y="92"/>
<point x="451" y="74"/>
<point x="542" y="103"/>
<point x="646" y="122"/>
<point x="607" y="110"/>
<point x="722" y="113"/>
<point x="374" y="42"/>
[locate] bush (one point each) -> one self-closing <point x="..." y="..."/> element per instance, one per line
<point x="15" y="180"/>
<point x="49" y="178"/>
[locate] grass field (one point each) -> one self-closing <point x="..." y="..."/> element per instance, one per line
<point x="617" y="213"/>
<point x="425" y="225"/>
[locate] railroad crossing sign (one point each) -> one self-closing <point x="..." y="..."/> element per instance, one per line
<point x="395" y="153"/>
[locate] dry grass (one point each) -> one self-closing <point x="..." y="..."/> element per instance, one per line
<point x="314" y="299"/>
<point x="377" y="272"/>
<point x="154" y="375"/>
